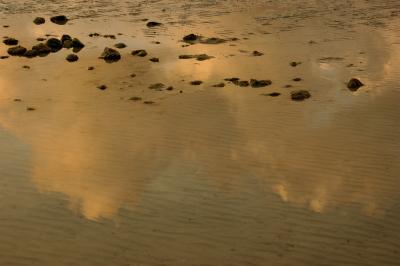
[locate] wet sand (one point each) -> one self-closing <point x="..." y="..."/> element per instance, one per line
<point x="202" y="175"/>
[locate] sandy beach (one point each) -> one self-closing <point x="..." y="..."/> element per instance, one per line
<point x="195" y="151"/>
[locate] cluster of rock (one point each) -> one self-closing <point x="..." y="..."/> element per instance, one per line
<point x="52" y="45"/>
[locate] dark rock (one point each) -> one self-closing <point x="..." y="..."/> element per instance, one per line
<point x="111" y="36"/>
<point x="243" y="83"/>
<point x="141" y="53"/>
<point x="300" y="95"/>
<point x="4" y="57"/>
<point x="120" y="45"/>
<point x="102" y="87"/>
<point x="54" y="44"/>
<point x="30" y="108"/>
<point x="154" y="59"/>
<point x="110" y="55"/>
<point x="294" y="64"/>
<point x="354" y="84"/>
<point x="17" y="51"/>
<point x="233" y="80"/>
<point x="26" y="67"/>
<point x="31" y="53"/>
<point x="212" y="40"/>
<point x="272" y="94"/>
<point x="60" y="20"/>
<point x="219" y="85"/>
<point x="72" y="58"/>
<point x="67" y="44"/>
<point x="149" y="102"/>
<point x="297" y="79"/>
<point x="10" y="41"/>
<point x="170" y="88"/>
<point x="191" y="38"/>
<point x="39" y="21"/>
<point x="76" y="43"/>
<point x="94" y="34"/>
<point x="199" y="57"/>
<point x="260" y="83"/>
<point x="40" y="39"/>
<point x="151" y="24"/>
<point x="157" y="86"/>
<point x="17" y="100"/>
<point x="90" y="68"/>
<point x="135" y="99"/>
<point x="133" y="75"/>
<point x="257" y="53"/>
<point x="196" y="82"/>
<point x="288" y="86"/>
<point x="65" y="37"/>
<point x="41" y="49"/>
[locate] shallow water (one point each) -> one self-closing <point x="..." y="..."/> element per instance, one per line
<point x="205" y="176"/>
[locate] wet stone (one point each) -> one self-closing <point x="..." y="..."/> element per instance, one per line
<point x="152" y="24"/>
<point x="54" y="44"/>
<point x="135" y="99"/>
<point x="65" y="37"/>
<point x="72" y="58"/>
<point x="243" y="83"/>
<point x="196" y="82"/>
<point x="300" y="95"/>
<point x="60" y="20"/>
<point x="199" y="57"/>
<point x="39" y="20"/>
<point x="10" y="41"/>
<point x="219" y="85"/>
<point x="191" y="38"/>
<point x="17" y="51"/>
<point x="120" y="45"/>
<point x="31" y="53"/>
<point x="110" y="55"/>
<point x="294" y="64"/>
<point x="141" y="53"/>
<point x="157" y="86"/>
<point x="260" y="83"/>
<point x="354" y="84"/>
<point x="41" y="49"/>
<point x="272" y="94"/>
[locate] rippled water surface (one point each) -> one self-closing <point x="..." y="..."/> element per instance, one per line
<point x="204" y="175"/>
